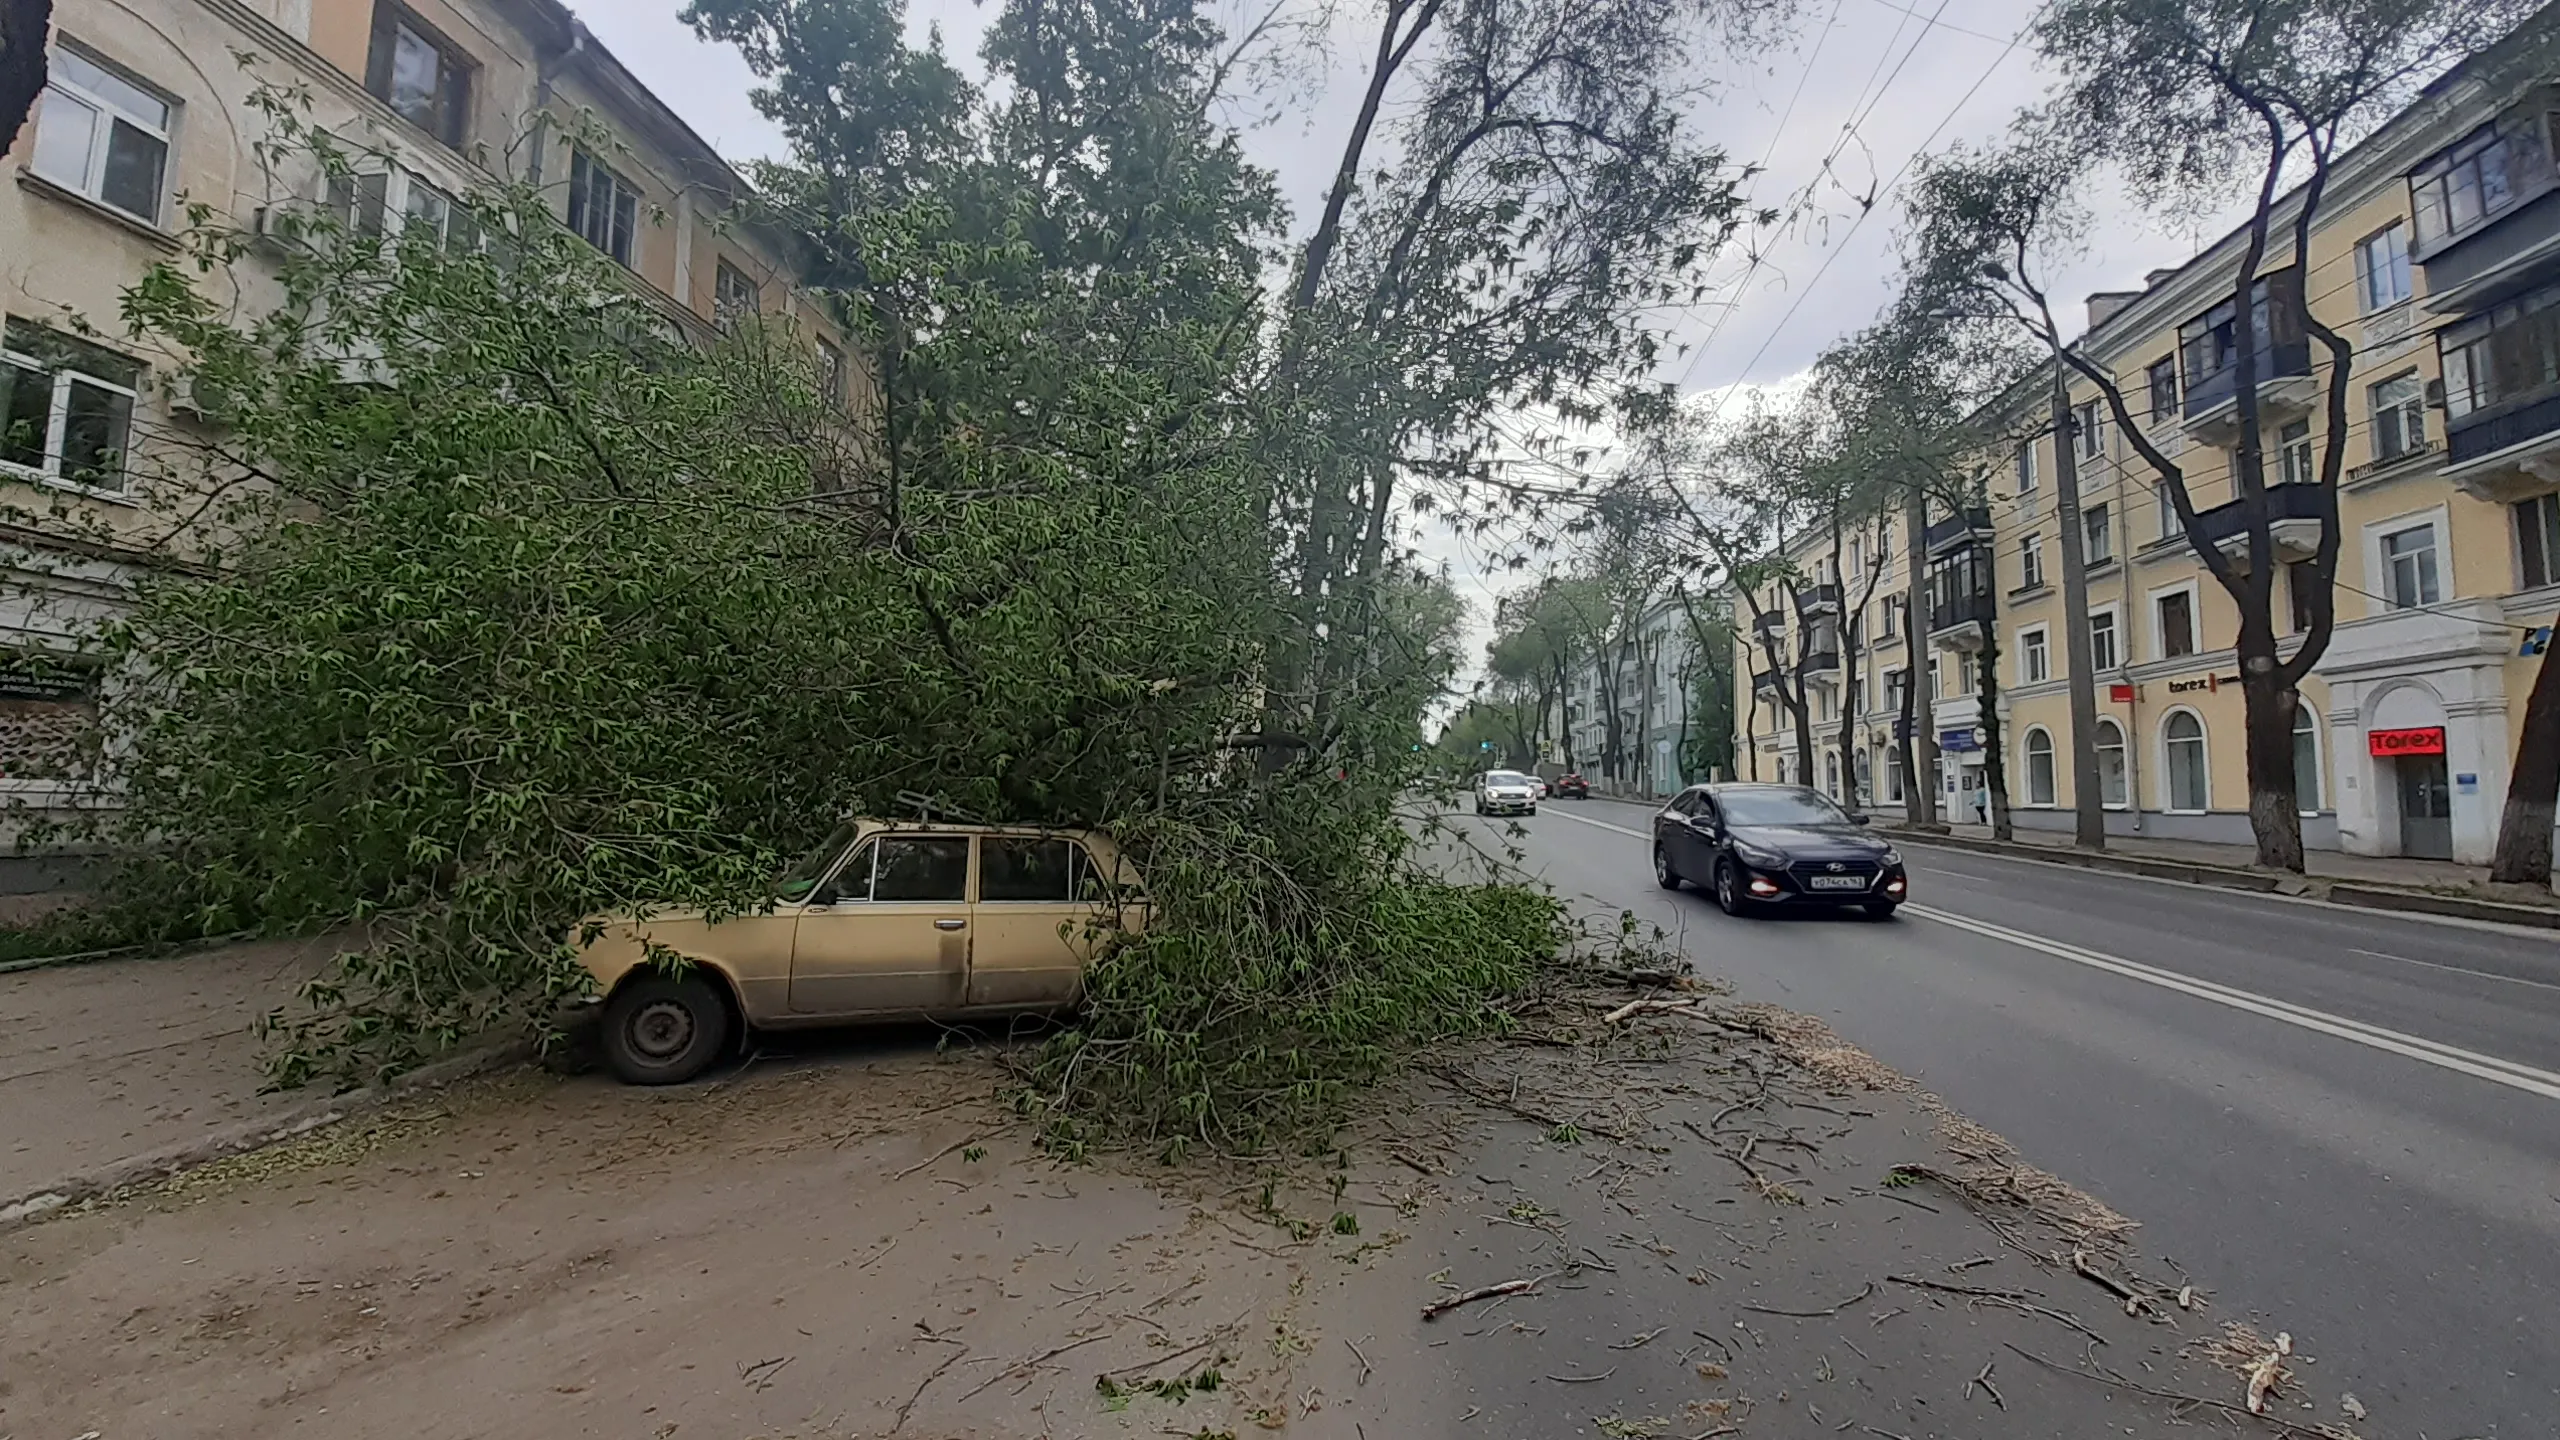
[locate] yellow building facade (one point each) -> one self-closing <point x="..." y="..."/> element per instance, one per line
<point x="151" y="112"/>
<point x="2437" y="256"/>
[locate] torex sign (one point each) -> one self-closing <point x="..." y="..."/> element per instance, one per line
<point x="2428" y="741"/>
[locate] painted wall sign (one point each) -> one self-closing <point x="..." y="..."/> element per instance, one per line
<point x="2202" y="682"/>
<point x="2427" y="740"/>
<point x="1963" y="739"/>
<point x="2120" y="694"/>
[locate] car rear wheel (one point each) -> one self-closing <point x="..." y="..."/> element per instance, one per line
<point x="1729" y="890"/>
<point x="665" y="1029"/>
<point x="1663" y="874"/>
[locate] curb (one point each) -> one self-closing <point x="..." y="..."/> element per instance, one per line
<point x="106" y="1180"/>
<point x="2338" y="892"/>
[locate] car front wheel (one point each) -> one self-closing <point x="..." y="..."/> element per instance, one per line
<point x="1663" y="874"/>
<point x="1729" y="889"/>
<point x="665" y="1029"/>
<point x="1882" y="910"/>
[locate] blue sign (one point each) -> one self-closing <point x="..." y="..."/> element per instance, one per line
<point x="1958" y="740"/>
<point x="2535" y="643"/>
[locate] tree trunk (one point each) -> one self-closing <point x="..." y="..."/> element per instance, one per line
<point x="1995" y="770"/>
<point x="2268" y="704"/>
<point x="1919" y="739"/>
<point x="23" y="26"/>
<point x="2533" y="790"/>
<point x="2088" y="817"/>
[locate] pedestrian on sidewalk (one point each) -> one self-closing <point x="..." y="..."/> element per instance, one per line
<point x="1982" y="801"/>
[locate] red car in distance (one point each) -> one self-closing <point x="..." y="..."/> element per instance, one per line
<point x="1570" y="785"/>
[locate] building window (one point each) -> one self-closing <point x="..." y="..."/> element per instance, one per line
<point x="103" y="136"/>
<point x="2039" y="766"/>
<point x="2306" y="759"/>
<point x="2182" y="746"/>
<point x="2175" y="614"/>
<point x="2538" y="540"/>
<point x="2465" y="184"/>
<point x="830" y="373"/>
<point x="66" y="407"/>
<point x="2027" y="468"/>
<point x="733" y="296"/>
<point x="2165" y="506"/>
<point x="2104" y="653"/>
<point x="603" y="208"/>
<point x="2098" y="538"/>
<point x="412" y="70"/>
<point x="2030" y="562"/>
<point x="2302" y="584"/>
<point x="2111" y="773"/>
<point x="2382" y="268"/>
<point x="2506" y="353"/>
<point x="2409" y="567"/>
<point x="2163" y="377"/>
<point x="2088" y="426"/>
<point x="2293" y="454"/>
<point x="2035" y="657"/>
<point x="2399" y="410"/>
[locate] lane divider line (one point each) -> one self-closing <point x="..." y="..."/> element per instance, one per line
<point x="2512" y="1074"/>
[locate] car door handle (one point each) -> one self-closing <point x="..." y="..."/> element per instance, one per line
<point x="950" y="924"/>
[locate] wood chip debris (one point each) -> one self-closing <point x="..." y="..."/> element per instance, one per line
<point x="2268" y="1372"/>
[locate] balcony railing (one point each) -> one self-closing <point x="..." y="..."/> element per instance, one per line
<point x="2486" y="433"/>
<point x="1769" y="622"/>
<point x="1818" y="599"/>
<point x="2230" y="521"/>
<point x="1973" y="524"/>
<point x="1961" y="611"/>
<point x="1820" y="662"/>
<point x="1764" y="681"/>
<point x="2278" y="361"/>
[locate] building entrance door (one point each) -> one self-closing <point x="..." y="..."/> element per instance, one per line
<point x="2426" y="807"/>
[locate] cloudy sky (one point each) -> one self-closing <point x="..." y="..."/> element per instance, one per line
<point x="1835" y="116"/>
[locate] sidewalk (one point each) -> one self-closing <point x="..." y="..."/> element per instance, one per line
<point x="2388" y="882"/>
<point x="116" y="1062"/>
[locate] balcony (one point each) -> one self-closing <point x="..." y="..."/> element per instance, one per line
<point x="1818" y="600"/>
<point x="2293" y="523"/>
<point x="2286" y="391"/>
<point x="1764" y="682"/>
<point x="1769" y="622"/>
<point x="2508" y="452"/>
<point x="1958" y="622"/>
<point x="1820" y="666"/>
<point x="1973" y="526"/>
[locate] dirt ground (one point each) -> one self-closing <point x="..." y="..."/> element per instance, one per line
<point x="860" y="1242"/>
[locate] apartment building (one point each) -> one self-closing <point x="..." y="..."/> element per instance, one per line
<point x="1651" y="683"/>
<point x="1846" y="613"/>
<point x="2437" y="254"/>
<point x="150" y="113"/>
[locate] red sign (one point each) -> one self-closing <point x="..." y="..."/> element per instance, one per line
<point x="2120" y="694"/>
<point x="2429" y="741"/>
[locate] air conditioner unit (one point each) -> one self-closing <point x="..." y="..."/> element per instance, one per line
<point x="2435" y="394"/>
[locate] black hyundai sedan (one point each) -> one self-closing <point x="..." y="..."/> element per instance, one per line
<point x="1765" y="845"/>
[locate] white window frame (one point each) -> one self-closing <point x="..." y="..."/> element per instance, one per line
<point x="619" y="185"/>
<point x="2319" y="756"/>
<point x="2372" y="300"/>
<point x="2026" y="467"/>
<point x="2041" y="651"/>
<point x="2168" y="773"/>
<point x="2447" y="588"/>
<point x="57" y="415"/>
<point x="2031" y="560"/>
<point x="2089" y="420"/>
<point x="2195" y="620"/>
<point x="109" y="112"/>
<point x="2097" y="541"/>
<point x="2052" y="768"/>
<point x="2548" y="539"/>
<point x="2165" y="509"/>
<point x="2113" y="614"/>
<point x="2412" y="412"/>
<point x="726" y="315"/>
<point x="2124" y="762"/>
<point x="2294" y="455"/>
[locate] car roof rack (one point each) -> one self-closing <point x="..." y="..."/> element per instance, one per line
<point x="930" y="808"/>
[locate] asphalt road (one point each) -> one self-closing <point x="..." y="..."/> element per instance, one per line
<point x="2346" y="1123"/>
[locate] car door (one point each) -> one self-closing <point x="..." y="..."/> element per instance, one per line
<point x="1699" y="837"/>
<point x="1031" y="925"/>
<point x="890" y="933"/>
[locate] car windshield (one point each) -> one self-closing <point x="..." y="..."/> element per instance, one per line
<point x="1505" y="777"/>
<point x="802" y="877"/>
<point x="1779" y="807"/>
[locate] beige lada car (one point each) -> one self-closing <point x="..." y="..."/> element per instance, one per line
<point x="885" y="921"/>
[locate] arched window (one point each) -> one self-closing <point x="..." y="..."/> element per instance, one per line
<point x="2183" y="761"/>
<point x="2306" y="759"/>
<point x="1866" y="778"/>
<point x="2039" y="766"/>
<point x="2111" y="775"/>
<point x="1831" y="774"/>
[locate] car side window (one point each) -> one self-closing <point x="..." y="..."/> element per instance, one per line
<point x="1029" y="869"/>
<point x="921" y="867"/>
<point x="853" y="882"/>
<point x="1706" y="809"/>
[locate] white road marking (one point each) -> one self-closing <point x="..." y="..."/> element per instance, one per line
<point x="2458" y="969"/>
<point x="2468" y="1062"/>
<point x="2509" y="1073"/>
<point x="1603" y="824"/>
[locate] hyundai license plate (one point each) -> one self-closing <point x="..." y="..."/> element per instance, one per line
<point x="1837" y="882"/>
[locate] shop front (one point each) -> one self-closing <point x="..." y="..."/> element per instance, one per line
<point x="2418" y="720"/>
